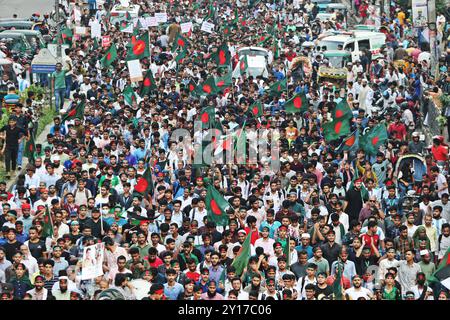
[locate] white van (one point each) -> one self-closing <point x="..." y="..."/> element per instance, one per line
<point x="354" y="41"/>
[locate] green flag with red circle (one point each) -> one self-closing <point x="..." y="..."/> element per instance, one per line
<point x="257" y="109"/>
<point x="216" y="206"/>
<point x="342" y="111"/>
<point x="207" y="116"/>
<point x="148" y="84"/>
<point x="243" y="65"/>
<point x="277" y="88"/>
<point x="224" y="82"/>
<point x="144" y="185"/>
<point x="374" y="138"/>
<point x="30" y="148"/>
<point x="140" y="47"/>
<point x="77" y="111"/>
<point x="179" y="42"/>
<point x="335" y="129"/>
<point x="222" y="56"/>
<point x="207" y="87"/>
<point x="298" y="103"/>
<point x="109" y="57"/>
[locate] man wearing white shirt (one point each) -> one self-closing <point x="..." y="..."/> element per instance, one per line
<point x="265" y="242"/>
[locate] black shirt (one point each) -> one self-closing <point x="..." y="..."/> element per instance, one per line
<point x="13" y="135"/>
<point x="355" y="203"/>
<point x="11" y="249"/>
<point x="37" y="249"/>
<point x="326" y="291"/>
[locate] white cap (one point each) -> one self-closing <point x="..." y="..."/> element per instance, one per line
<point x="55" y="158"/>
<point x="424" y="252"/>
<point x="306" y="236"/>
<point x="242" y="231"/>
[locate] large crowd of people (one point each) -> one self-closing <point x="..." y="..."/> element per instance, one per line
<point x="326" y="223"/>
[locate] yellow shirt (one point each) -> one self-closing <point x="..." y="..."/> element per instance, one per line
<point x="401" y="17"/>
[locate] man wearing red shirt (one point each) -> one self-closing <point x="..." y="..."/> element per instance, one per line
<point x="370" y="238"/>
<point x="191" y="272"/>
<point x="398" y="130"/>
<point x="439" y="150"/>
<point x="153" y="259"/>
<point x="290" y="55"/>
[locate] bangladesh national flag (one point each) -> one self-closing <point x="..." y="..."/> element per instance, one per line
<point x="216" y="205"/>
<point x="144" y="185"/>
<point x="95" y="44"/>
<point x="337" y="284"/>
<point x="140" y="48"/>
<point x="374" y="138"/>
<point x="257" y="109"/>
<point x="243" y="65"/>
<point x="191" y="86"/>
<point x="241" y="260"/>
<point x="109" y="57"/>
<point x="224" y="82"/>
<point x="442" y="273"/>
<point x="148" y="84"/>
<point x="130" y="95"/>
<point x="48" y="224"/>
<point x="277" y="88"/>
<point x="222" y="56"/>
<point x="264" y="40"/>
<point x="30" y="148"/>
<point x="332" y="130"/>
<point x="241" y="146"/>
<point x="207" y="87"/>
<point x="351" y="143"/>
<point x="179" y="42"/>
<point x="297" y="103"/>
<point x="208" y="117"/>
<point x="180" y="56"/>
<point x="126" y="26"/>
<point x="66" y="35"/>
<point x="342" y="111"/>
<point x="226" y="30"/>
<point x="76" y="111"/>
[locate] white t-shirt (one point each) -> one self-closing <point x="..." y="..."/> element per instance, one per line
<point x="355" y="294"/>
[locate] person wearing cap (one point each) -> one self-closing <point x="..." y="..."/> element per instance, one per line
<point x="156" y="292"/>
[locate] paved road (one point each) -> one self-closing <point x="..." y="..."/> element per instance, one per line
<point x="24" y="8"/>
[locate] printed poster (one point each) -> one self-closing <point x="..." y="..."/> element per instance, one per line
<point x="135" y="70"/>
<point x="207" y="27"/>
<point x="92" y="263"/>
<point x="186" y="27"/>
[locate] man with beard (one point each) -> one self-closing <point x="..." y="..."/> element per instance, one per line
<point x="421" y="290"/>
<point x="357" y="291"/>
<point x="172" y="289"/>
<point x="216" y="269"/>
<point x="62" y="293"/>
<point x="39" y="292"/>
<point x="255" y="285"/>
<point x="211" y="293"/>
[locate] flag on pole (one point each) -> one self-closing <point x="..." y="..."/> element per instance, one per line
<point x="332" y="130"/>
<point x="442" y="273"/>
<point x="129" y="95"/>
<point x="337" y="284"/>
<point x="148" y="84"/>
<point x="48" y="223"/>
<point x="30" y="148"/>
<point x="241" y="260"/>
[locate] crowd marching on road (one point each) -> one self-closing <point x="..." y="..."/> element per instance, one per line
<point x="227" y="150"/>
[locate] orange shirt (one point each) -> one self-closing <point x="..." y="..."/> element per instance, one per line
<point x="440" y="153"/>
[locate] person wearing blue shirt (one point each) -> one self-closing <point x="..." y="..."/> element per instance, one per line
<point x="270" y="223"/>
<point x="304" y="246"/>
<point x="140" y="152"/>
<point x="172" y="289"/>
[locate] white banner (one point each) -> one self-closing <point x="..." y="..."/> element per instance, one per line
<point x="92" y="263"/>
<point x="161" y="17"/>
<point x="152" y="21"/>
<point x="207" y="27"/>
<point x="96" y="30"/>
<point x="81" y="31"/>
<point x="135" y="70"/>
<point x="186" y="27"/>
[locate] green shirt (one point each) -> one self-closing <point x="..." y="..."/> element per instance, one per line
<point x="143" y="251"/>
<point x="427" y="268"/>
<point x="394" y="294"/>
<point x="60" y="79"/>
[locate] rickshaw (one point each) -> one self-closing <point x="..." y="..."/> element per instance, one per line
<point x="418" y="165"/>
<point x="336" y="73"/>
